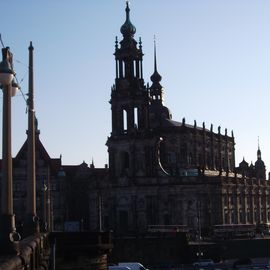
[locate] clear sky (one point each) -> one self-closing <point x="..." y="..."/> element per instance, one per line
<point x="213" y="55"/>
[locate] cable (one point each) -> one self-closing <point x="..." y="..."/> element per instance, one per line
<point x="17" y="81"/>
<point x="18" y="61"/>
<point x="2" y="41"/>
<point x="23" y="95"/>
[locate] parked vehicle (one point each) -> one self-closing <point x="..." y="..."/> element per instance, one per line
<point x="204" y="262"/>
<point x="132" y="265"/>
<point x="118" y="267"/>
<point x="263" y="228"/>
<point x="242" y="263"/>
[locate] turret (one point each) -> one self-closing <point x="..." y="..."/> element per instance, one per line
<point x="128" y="57"/>
<point x="129" y="104"/>
<point x="156" y="91"/>
<point x="157" y="110"/>
<point x="259" y="166"/>
<point x="129" y="97"/>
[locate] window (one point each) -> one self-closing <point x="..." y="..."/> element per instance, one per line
<point x="136" y="117"/>
<point x="151" y="209"/>
<point x="183" y="153"/>
<point x="125" y="160"/>
<point x="124" y="120"/>
<point x="190" y="158"/>
<point x="123" y="220"/>
<point x="166" y="219"/>
<point x="123" y="69"/>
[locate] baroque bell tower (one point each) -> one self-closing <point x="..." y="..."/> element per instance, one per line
<point x="130" y="107"/>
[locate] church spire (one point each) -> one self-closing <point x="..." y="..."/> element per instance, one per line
<point x="259" y="164"/>
<point x="155" y="55"/>
<point x="156" y="88"/>
<point x="259" y="154"/>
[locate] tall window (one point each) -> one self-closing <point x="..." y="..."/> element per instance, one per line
<point x="183" y="153"/>
<point x="134" y="69"/>
<point x="136" y="118"/>
<point x="125" y="160"/>
<point x="124" y="69"/>
<point x="166" y="219"/>
<point x="124" y="120"/>
<point x="151" y="210"/>
<point x="123" y="220"/>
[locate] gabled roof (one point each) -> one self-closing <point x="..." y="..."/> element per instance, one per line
<point x="39" y="147"/>
<point x="54" y="163"/>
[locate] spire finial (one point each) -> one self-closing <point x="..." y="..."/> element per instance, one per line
<point x="31" y="45"/>
<point x="128" y="29"/>
<point x="155" y="53"/>
<point x="127" y="9"/>
<point x="92" y="165"/>
<point x="155" y="78"/>
<point x="259" y="154"/>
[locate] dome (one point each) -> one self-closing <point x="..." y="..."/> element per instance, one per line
<point x="160" y="111"/>
<point x="243" y="164"/>
<point x="155" y="77"/>
<point x="259" y="162"/>
<point x="128" y="29"/>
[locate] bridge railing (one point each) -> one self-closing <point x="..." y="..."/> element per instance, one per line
<point x="33" y="254"/>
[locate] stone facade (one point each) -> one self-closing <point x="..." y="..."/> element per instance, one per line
<point x="166" y="172"/>
<point x="50" y="189"/>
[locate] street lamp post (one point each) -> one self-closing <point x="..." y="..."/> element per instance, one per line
<point x="8" y="236"/>
<point x="32" y="221"/>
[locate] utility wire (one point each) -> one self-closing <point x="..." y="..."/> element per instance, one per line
<point x="2" y="41"/>
<point x="18" y="61"/>
<point x="17" y="81"/>
<point x="21" y="90"/>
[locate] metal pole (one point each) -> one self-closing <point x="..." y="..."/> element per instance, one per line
<point x="7" y="200"/>
<point x="199" y="229"/>
<point x="100" y="211"/>
<point x="32" y="220"/>
<point x="8" y="235"/>
<point x="49" y="212"/>
<point x="45" y="188"/>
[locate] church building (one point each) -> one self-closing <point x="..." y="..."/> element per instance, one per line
<point x="166" y="172"/>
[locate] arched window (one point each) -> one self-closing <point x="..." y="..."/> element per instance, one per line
<point x="190" y="158"/>
<point x="123" y="69"/>
<point x="183" y="153"/>
<point x="125" y="160"/>
<point x="137" y="69"/>
<point x="125" y="121"/>
<point x="120" y="64"/>
<point x="136" y="118"/>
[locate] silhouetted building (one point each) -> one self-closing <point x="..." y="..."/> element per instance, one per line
<point x="166" y="172"/>
<point x="160" y="171"/>
<point x="49" y="187"/>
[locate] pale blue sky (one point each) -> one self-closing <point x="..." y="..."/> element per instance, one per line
<point x="214" y="57"/>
